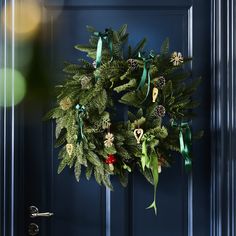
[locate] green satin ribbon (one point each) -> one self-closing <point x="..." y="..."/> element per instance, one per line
<point x="185" y="142"/>
<point x="107" y="37"/>
<point x="155" y="175"/>
<point x="147" y="61"/>
<point x="150" y="161"/>
<point x="81" y="112"/>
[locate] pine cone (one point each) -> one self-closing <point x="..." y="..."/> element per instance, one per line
<point x="161" y="82"/>
<point x="160" y="111"/>
<point x="133" y="64"/>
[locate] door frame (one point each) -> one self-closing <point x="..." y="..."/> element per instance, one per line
<point x="223" y="110"/>
<point x="222" y="123"/>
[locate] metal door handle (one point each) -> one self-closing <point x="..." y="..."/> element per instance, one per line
<point x="34" y="212"/>
<point x="44" y="214"/>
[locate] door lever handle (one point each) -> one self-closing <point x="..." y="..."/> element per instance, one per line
<point x="34" y="212"/>
<point x="44" y="214"/>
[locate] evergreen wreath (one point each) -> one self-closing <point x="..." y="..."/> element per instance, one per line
<point x="156" y="103"/>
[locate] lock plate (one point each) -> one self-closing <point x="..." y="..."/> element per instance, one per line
<point x="33" y="229"/>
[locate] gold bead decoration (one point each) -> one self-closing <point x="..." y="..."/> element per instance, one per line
<point x="69" y="148"/>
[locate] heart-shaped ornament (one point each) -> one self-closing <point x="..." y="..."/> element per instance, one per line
<point x="138" y="134"/>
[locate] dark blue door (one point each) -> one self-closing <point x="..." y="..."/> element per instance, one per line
<point x="85" y="209"/>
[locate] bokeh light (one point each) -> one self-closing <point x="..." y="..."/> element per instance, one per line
<point x="23" y="56"/>
<point x="27" y="17"/>
<point x="7" y="93"/>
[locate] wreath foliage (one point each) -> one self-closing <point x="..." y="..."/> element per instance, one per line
<point x="123" y="110"/>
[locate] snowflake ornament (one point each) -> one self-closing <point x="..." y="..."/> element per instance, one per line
<point x="109" y="138"/>
<point x="65" y="103"/>
<point x="176" y="58"/>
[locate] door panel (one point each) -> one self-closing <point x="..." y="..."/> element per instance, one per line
<point x="86" y="209"/>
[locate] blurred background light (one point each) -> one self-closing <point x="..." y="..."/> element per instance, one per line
<point x="27" y="17"/>
<point x="23" y="56"/>
<point x="19" y="90"/>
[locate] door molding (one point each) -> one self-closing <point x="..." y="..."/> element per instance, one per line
<point x="223" y="119"/>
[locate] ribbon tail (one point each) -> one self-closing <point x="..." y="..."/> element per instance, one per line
<point x="143" y="78"/>
<point x="81" y="128"/>
<point x="148" y="88"/>
<point x="185" y="147"/>
<point x="99" y="52"/>
<point x="188" y="160"/>
<point x="81" y="133"/>
<point x="111" y="50"/>
<point x="188" y="163"/>
<point x="155" y="174"/>
<point x="181" y="141"/>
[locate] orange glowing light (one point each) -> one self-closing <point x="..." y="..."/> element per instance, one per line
<point x="27" y="18"/>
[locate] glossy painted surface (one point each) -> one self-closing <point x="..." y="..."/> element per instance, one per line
<point x="80" y="209"/>
<point x="223" y="121"/>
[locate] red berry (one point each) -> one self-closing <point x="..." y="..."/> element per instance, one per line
<point x="111" y="159"/>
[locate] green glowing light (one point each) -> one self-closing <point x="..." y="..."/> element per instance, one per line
<point x="10" y="95"/>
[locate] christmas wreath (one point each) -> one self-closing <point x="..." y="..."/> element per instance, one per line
<point x="124" y="109"/>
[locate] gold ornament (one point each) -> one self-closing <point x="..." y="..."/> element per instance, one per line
<point x="111" y="167"/>
<point x="65" y="103"/>
<point x="154" y="94"/>
<point x="86" y="82"/>
<point x="109" y="140"/>
<point x="138" y="134"/>
<point x="176" y="58"/>
<point x="69" y="148"/>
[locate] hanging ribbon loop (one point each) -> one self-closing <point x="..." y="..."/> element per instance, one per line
<point x="147" y="61"/>
<point x="81" y="112"/>
<point x="185" y="142"/>
<point x="107" y="37"/>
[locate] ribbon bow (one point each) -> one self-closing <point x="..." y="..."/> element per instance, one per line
<point x="106" y="36"/>
<point x="81" y="111"/>
<point x="146" y="73"/>
<point x="150" y="161"/>
<point x="185" y="142"/>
